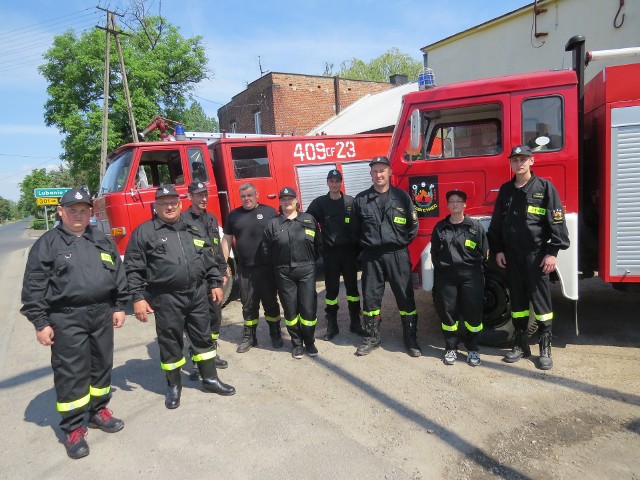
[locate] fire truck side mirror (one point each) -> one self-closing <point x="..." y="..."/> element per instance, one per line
<point x="415" y="131"/>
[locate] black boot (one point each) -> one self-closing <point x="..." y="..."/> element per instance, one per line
<point x="545" y="362"/>
<point x="210" y="380"/>
<point x="249" y="339"/>
<point x="174" y="389"/>
<point x="409" y="332"/>
<point x="372" y="340"/>
<point x="220" y="363"/>
<point x="76" y="445"/>
<point x="520" y="348"/>
<point x="356" y="326"/>
<point x="332" y="325"/>
<point x="276" y="334"/>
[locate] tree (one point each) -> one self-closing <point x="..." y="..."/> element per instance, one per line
<point x="196" y="120"/>
<point x="379" y="69"/>
<point x="38" y="178"/>
<point x="162" y="69"/>
<point x="7" y="210"/>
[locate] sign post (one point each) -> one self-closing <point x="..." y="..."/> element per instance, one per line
<point x="48" y="196"/>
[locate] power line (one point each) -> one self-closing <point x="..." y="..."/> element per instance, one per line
<point x="25" y="156"/>
<point x="46" y="22"/>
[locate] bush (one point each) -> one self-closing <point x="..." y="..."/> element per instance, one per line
<point x="38" y="224"/>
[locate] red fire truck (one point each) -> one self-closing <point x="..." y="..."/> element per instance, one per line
<point x="459" y="136"/>
<point x="224" y="162"/>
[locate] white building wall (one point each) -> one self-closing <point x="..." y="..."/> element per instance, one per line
<point x="507" y="45"/>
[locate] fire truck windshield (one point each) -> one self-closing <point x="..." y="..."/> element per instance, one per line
<point x="115" y="178"/>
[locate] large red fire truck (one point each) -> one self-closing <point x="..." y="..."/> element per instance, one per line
<point x="585" y="140"/>
<point x="224" y="162"/>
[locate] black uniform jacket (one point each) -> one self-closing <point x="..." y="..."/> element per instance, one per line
<point x="166" y="257"/>
<point x="528" y="219"/>
<point x="334" y="217"/>
<point x="209" y="223"/>
<point x="393" y="227"/>
<point x="291" y="243"/>
<point x="463" y="245"/>
<point x="67" y="271"/>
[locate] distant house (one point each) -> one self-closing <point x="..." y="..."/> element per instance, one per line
<point x="289" y="103"/>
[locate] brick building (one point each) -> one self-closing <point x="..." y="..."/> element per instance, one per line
<point x="289" y="103"/>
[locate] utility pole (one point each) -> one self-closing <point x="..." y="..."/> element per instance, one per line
<point x="111" y="29"/>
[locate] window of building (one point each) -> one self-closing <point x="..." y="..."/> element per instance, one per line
<point x="257" y="120"/>
<point x="250" y="162"/>
<point x="542" y="117"/>
<point x="234" y="127"/>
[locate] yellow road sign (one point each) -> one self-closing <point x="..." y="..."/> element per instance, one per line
<point x="47" y="201"/>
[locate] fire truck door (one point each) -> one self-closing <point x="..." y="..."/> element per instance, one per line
<point x="255" y="164"/>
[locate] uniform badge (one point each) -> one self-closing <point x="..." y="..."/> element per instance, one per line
<point x="259" y="216"/>
<point x="200" y="185"/>
<point x="538" y="195"/>
<point x="78" y="195"/>
<point x="164" y="190"/>
<point x="414" y="215"/>
<point x="518" y="150"/>
<point x="471" y="230"/>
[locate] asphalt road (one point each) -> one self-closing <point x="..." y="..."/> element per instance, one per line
<point x="12" y="238"/>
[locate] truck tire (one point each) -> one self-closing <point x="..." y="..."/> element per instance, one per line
<point x="229" y="291"/>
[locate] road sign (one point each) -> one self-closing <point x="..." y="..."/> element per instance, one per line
<point x="49" y="192"/>
<point x="47" y="201"/>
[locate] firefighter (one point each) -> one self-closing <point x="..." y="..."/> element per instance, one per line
<point x="339" y="253"/>
<point x="459" y="249"/>
<point x="172" y="264"/>
<point x="198" y="217"/>
<point x="74" y="292"/>
<point x="385" y="221"/>
<point x="292" y="244"/>
<point x="246" y="226"/>
<point x="526" y="233"/>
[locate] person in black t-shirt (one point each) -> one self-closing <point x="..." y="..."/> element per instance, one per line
<point x="246" y="226"/>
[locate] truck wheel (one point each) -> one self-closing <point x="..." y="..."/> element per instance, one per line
<point x="496" y="314"/>
<point x="230" y="288"/>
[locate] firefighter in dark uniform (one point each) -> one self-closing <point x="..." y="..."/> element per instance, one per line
<point x="339" y="253"/>
<point x="459" y="250"/>
<point x="74" y="292"/>
<point x="197" y="216"/>
<point x="246" y="226"/>
<point x="526" y="233"/>
<point x="292" y="244"/>
<point x="385" y="221"/>
<point x="172" y="264"/>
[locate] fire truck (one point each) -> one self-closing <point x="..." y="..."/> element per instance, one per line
<point x="586" y="140"/>
<point x="224" y="162"/>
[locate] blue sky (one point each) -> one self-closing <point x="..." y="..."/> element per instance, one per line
<point x="296" y="37"/>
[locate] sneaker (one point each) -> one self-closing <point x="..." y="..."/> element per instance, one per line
<point x="450" y="357"/>
<point x="76" y="445"/>
<point x="473" y="359"/>
<point x="312" y="350"/>
<point x="105" y="421"/>
<point x="298" y="352"/>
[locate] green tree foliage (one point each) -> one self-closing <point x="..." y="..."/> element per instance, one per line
<point x="196" y="120"/>
<point x="8" y="210"/>
<point x="38" y="178"/>
<point x="162" y="69"/>
<point x="379" y="69"/>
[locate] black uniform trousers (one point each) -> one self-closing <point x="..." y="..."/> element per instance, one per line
<point x="258" y="284"/>
<point x="81" y="357"/>
<point x="182" y="312"/>
<point x="215" y="315"/>
<point x="297" y="290"/>
<point x="341" y="261"/>
<point x="458" y="293"/>
<point x="396" y="267"/>
<point x="528" y="285"/>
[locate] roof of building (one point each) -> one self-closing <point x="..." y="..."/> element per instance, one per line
<point x="369" y="114"/>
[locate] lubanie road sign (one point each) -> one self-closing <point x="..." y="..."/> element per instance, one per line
<point x="49" y="192"/>
<point x="46" y="201"/>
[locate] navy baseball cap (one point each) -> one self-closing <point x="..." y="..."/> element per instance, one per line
<point x="197" y="187"/>
<point x="166" y="191"/>
<point x="334" y="174"/>
<point x="521" y="150"/>
<point x="287" y="192"/>
<point x="75" y="195"/>
<point x="384" y="160"/>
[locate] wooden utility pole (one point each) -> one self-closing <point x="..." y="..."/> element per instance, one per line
<point x="125" y="84"/>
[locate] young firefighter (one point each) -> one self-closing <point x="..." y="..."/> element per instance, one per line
<point x="527" y="230"/>
<point x="74" y="292"/>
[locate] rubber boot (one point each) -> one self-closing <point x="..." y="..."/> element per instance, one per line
<point x="409" y="334"/>
<point x="332" y="325"/>
<point x="249" y="339"/>
<point x="372" y="340"/>
<point x="545" y="362"/>
<point x="520" y="348"/>
<point x="174" y="389"/>
<point x="276" y="334"/>
<point x="220" y="363"/>
<point x="355" y="325"/>
<point x="210" y="380"/>
<point x="194" y="374"/>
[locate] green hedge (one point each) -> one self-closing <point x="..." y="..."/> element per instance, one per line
<point x="38" y="224"/>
